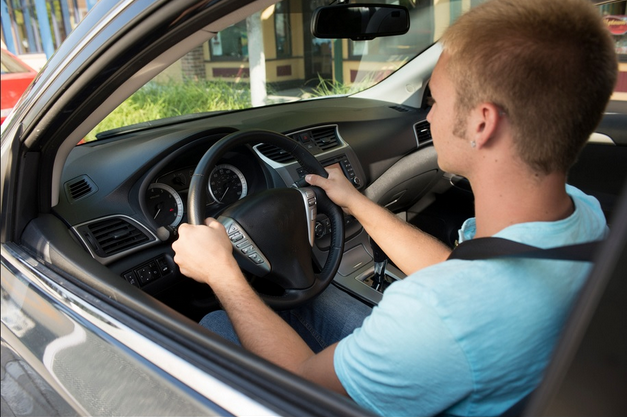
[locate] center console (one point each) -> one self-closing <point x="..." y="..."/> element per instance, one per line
<point x="357" y="268"/>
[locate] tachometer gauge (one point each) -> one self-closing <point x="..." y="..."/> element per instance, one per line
<point x="164" y="205"/>
<point x="227" y="184"/>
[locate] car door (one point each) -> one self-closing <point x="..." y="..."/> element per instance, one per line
<point x="101" y="348"/>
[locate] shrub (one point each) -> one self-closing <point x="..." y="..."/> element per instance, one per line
<point x="157" y="101"/>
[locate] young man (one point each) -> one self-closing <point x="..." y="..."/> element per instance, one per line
<point x="517" y="91"/>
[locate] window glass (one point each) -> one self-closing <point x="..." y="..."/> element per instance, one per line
<point x="614" y="15"/>
<point x="272" y="57"/>
<point x="282" y="29"/>
<point x="231" y="43"/>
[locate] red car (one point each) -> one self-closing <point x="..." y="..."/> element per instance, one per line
<point x="16" y="77"/>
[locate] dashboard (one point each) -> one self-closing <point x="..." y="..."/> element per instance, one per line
<point x="124" y="196"/>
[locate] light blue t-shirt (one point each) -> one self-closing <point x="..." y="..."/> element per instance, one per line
<point x="469" y="337"/>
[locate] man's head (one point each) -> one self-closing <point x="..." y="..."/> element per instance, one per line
<point x="550" y="66"/>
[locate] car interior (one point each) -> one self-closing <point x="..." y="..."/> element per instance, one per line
<point x="119" y="198"/>
<point x="108" y="209"/>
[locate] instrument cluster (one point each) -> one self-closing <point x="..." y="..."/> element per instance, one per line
<point x="164" y="198"/>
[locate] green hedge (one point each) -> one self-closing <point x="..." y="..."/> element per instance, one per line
<point x="156" y="101"/>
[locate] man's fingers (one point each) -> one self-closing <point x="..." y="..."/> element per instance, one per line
<point x="313" y="179"/>
<point x="214" y="224"/>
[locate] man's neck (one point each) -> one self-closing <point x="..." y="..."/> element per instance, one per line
<point x="502" y="201"/>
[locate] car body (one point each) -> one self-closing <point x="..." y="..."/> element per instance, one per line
<point x="15" y="79"/>
<point x="96" y="318"/>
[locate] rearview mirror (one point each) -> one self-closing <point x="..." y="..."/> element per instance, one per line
<point x="360" y="21"/>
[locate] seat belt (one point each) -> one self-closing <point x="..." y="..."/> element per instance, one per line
<point x="497" y="247"/>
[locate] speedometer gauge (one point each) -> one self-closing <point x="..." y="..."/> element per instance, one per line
<point x="164" y="205"/>
<point x="227" y="184"/>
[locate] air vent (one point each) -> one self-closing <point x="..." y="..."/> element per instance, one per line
<point x="422" y="130"/>
<point x="326" y="138"/>
<point x="316" y="141"/>
<point x="112" y="235"/>
<point x="274" y="153"/>
<point x="79" y="188"/>
<point x="401" y="109"/>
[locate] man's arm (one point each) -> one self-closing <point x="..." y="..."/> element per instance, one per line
<point x="204" y="253"/>
<point x="263" y="332"/>
<point x="408" y="247"/>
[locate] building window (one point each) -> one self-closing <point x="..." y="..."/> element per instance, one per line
<point x="614" y="14"/>
<point x="230" y="44"/>
<point x="282" y="29"/>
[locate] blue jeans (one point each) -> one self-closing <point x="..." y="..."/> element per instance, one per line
<point x="321" y="322"/>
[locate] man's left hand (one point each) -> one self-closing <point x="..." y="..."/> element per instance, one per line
<point x="204" y="252"/>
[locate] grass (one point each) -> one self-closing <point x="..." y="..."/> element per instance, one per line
<point x="327" y="87"/>
<point x="157" y="101"/>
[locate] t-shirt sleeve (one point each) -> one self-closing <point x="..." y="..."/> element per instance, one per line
<point x="403" y="360"/>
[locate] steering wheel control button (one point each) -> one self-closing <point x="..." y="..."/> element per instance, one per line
<point x="309" y="198"/>
<point x="245" y="248"/>
<point x="236" y="237"/>
<point x="255" y="258"/>
<point x="319" y="230"/>
<point x="242" y="244"/>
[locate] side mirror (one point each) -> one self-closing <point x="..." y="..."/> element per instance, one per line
<point x="360" y="21"/>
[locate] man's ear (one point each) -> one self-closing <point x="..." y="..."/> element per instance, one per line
<point x="485" y="119"/>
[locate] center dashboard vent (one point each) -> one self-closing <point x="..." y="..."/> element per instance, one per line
<point x="113" y="235"/>
<point x="275" y="153"/>
<point x="325" y="137"/>
<point x="316" y="140"/>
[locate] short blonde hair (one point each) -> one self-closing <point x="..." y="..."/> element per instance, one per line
<point x="549" y="65"/>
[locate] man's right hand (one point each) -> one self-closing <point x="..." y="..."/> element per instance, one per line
<point x="338" y="189"/>
<point x="408" y="247"/>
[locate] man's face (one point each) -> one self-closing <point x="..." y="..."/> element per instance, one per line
<point x="449" y="129"/>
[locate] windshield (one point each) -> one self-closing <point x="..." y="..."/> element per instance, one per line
<point x="272" y="57"/>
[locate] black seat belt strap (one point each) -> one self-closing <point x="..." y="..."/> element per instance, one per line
<point x="495" y="247"/>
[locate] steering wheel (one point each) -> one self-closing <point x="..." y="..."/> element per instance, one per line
<point x="272" y="232"/>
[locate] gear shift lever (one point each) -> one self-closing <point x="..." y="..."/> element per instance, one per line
<point x="380" y="283"/>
